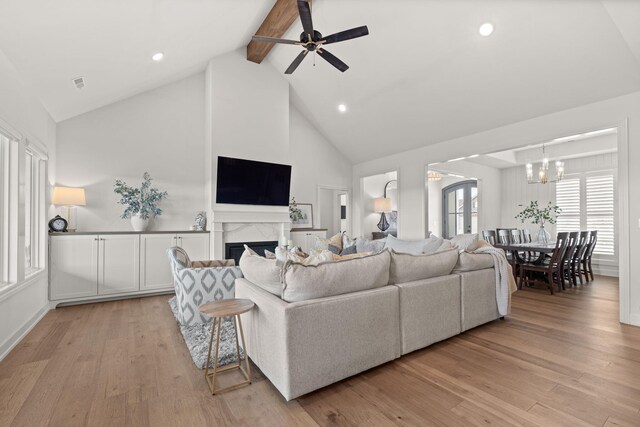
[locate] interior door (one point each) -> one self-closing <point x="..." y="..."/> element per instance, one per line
<point x="460" y="209"/>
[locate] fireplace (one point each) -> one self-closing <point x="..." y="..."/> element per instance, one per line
<point x="234" y="250"/>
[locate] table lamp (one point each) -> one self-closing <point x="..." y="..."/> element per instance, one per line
<point x="382" y="205"/>
<point x="67" y="196"/>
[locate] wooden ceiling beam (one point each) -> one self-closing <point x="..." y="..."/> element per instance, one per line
<point x="276" y="24"/>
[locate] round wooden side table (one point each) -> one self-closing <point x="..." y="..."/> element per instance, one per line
<point x="218" y="310"/>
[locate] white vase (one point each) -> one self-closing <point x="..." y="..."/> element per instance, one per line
<point x="138" y="223"/>
<point x="543" y="235"/>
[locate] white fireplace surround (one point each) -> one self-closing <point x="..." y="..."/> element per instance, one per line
<point x="247" y="224"/>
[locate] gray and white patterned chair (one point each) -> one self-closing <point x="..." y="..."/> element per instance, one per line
<point x="199" y="282"/>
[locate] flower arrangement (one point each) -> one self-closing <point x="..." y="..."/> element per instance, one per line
<point x="141" y="201"/>
<point x="539" y="215"/>
<point x="294" y="211"/>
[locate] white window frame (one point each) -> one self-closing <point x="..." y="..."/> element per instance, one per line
<point x="37" y="206"/>
<point x="12" y="209"/>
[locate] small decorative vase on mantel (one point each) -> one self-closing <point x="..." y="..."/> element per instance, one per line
<point x="543" y="235"/>
<point x="139" y="223"/>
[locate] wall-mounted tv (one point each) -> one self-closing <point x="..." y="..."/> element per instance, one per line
<point x="247" y="182"/>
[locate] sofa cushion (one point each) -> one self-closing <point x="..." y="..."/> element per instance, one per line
<point x="264" y="272"/>
<point x="305" y="282"/>
<point x="411" y="267"/>
<point x="471" y="262"/>
<point x="433" y="244"/>
<point x="464" y="242"/>
<point x="413" y="246"/>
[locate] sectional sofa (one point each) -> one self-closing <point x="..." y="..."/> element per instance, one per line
<point x="316" y="325"/>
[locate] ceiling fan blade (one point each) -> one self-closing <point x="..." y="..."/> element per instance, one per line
<point x="333" y="60"/>
<point x="346" y="35"/>
<point x="274" y="40"/>
<point x="296" y="62"/>
<point x="304" y="9"/>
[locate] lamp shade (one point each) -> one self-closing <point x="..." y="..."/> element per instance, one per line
<point x="67" y="196"/>
<point x="382" y="204"/>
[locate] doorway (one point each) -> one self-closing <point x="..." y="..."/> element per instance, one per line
<point x="460" y="208"/>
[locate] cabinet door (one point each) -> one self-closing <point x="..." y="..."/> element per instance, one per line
<point x="195" y="244"/>
<point x="119" y="264"/>
<point x="74" y="266"/>
<point x="154" y="264"/>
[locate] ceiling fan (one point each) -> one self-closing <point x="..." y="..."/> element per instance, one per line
<point x="312" y="41"/>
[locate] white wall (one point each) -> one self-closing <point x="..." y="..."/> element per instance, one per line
<point x="22" y="306"/>
<point x="623" y="111"/>
<point x="161" y="132"/>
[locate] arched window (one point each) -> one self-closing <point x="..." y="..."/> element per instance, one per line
<point x="460" y="208"/>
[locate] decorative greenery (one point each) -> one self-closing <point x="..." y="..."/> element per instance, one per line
<point x="141" y="200"/>
<point x="294" y="211"/>
<point x="539" y="215"/>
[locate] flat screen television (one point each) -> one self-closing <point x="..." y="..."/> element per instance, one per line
<point x="247" y="182"/>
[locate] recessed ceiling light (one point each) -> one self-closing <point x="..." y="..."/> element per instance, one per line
<point x="157" y="56"/>
<point x="486" y="29"/>
<point x="342" y="108"/>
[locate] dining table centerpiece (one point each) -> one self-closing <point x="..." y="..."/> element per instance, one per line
<point x="540" y="216"/>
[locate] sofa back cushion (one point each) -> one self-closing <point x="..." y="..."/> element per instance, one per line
<point x="413" y="246"/>
<point x="411" y="267"/>
<point x="263" y="272"/>
<point x="471" y="262"/>
<point x="305" y="282"/>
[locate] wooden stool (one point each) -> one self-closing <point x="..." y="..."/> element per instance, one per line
<point x="218" y="310"/>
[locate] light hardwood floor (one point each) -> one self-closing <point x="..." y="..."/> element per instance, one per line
<point x="557" y="360"/>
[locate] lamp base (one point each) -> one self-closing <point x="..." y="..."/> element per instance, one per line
<point x="383" y="224"/>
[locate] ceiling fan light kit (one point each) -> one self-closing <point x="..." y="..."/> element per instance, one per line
<point x="312" y="40"/>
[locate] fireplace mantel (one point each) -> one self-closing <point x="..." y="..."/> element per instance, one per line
<point x="248" y="223"/>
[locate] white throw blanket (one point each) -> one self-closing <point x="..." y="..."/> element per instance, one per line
<point x="505" y="283"/>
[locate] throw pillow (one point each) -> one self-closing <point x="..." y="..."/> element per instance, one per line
<point x="263" y="272"/>
<point x="465" y="242"/>
<point x="433" y="244"/>
<point x="269" y="255"/>
<point x="323" y="244"/>
<point x="407" y="246"/>
<point x="347" y="241"/>
<point x="365" y="245"/>
<point x="349" y="250"/>
<point x="334" y="249"/>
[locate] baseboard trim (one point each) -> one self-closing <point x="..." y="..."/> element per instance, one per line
<point x="11" y="342"/>
<point x="634" y="319"/>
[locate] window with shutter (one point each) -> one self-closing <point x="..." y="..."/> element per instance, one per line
<point x="568" y="199"/>
<point x="600" y="213"/>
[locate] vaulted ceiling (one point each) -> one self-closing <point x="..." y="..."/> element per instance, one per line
<point x="423" y="75"/>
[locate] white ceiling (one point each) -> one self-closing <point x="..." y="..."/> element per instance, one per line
<point x="110" y="43"/>
<point x="422" y="76"/>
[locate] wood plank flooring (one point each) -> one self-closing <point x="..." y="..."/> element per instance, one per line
<point x="557" y="360"/>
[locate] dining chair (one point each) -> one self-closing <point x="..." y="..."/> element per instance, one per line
<point x="576" y="262"/>
<point x="504" y="237"/>
<point x="489" y="236"/>
<point x="516" y="237"/>
<point x="567" y="259"/>
<point x="526" y="235"/>
<point x="551" y="268"/>
<point x="586" y="259"/>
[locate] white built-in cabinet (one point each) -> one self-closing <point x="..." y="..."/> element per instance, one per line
<point x="305" y="238"/>
<point x="96" y="266"/>
<point x="156" y="271"/>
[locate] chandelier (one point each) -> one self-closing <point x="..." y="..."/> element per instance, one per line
<point x="543" y="171"/>
<point x="434" y="176"/>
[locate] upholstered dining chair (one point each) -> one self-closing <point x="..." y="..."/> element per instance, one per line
<point x="199" y="282"/>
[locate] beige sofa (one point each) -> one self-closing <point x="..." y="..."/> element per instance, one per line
<point x="304" y="345"/>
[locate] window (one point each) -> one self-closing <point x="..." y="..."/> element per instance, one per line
<point x="4" y="207"/>
<point x="33" y="212"/>
<point x="588" y="203"/>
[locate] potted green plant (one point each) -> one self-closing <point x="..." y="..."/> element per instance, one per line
<point x="540" y="216"/>
<point x="141" y="203"/>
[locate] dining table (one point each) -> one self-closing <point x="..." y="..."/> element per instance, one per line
<point x="517" y="249"/>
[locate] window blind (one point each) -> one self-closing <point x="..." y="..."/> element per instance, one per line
<point x="568" y="199"/>
<point x="600" y="212"/>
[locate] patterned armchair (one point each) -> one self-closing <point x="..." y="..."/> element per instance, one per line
<point x="199" y="282"/>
